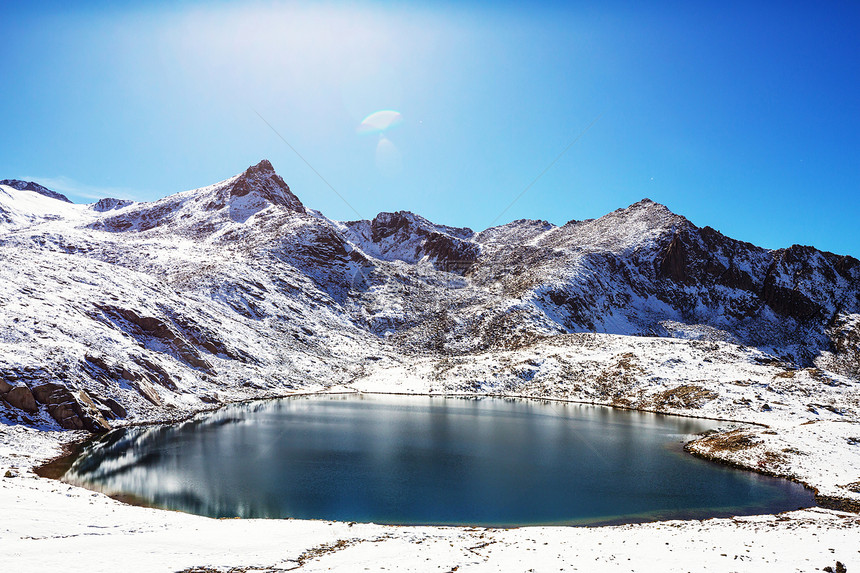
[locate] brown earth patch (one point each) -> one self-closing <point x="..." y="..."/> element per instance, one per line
<point x="733" y="441"/>
<point x="616" y="381"/>
<point x="853" y="487"/>
<point x="688" y="396"/>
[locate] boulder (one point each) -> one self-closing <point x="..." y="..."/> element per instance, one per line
<point x="115" y="407"/>
<point x="92" y="412"/>
<point x="148" y="391"/>
<point x="20" y="397"/>
<point x="16" y="394"/>
<point x="72" y="411"/>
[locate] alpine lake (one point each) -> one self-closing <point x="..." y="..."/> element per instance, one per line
<point x="422" y="460"/>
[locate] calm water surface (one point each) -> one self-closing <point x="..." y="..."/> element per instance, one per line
<point x="428" y="460"/>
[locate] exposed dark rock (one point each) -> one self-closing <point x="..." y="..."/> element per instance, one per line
<point x="211" y="399"/>
<point x="110" y="204"/>
<point x="22" y="398"/>
<point x="151" y="326"/>
<point x="115" y="407"/>
<point x="450" y="254"/>
<point x="687" y="396"/>
<point x="845" y="344"/>
<point x="575" y="308"/>
<point x="72" y="410"/>
<point x="108" y="407"/>
<point x="262" y="179"/>
<point x="386" y="225"/>
<point x="838" y="503"/>
<point x="840" y="568"/>
<point x="325" y="246"/>
<point x="790" y="302"/>
<point x="207" y="339"/>
<point x="157" y="373"/>
<point x="404" y="235"/>
<point x="673" y="263"/>
<point x="15" y="393"/>
<point x="90" y="414"/>
<point x="129" y="375"/>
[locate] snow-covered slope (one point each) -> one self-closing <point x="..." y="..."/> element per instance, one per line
<point x="22" y="204"/>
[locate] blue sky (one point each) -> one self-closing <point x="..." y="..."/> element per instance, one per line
<point x="742" y="116"/>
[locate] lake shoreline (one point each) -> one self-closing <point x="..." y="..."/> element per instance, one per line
<point x="53" y="469"/>
<point x="37" y="506"/>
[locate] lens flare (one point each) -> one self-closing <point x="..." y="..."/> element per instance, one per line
<point x="380" y="121"/>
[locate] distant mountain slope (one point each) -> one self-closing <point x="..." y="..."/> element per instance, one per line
<point x="237" y="290"/>
<point x="35" y="187"/>
<point x="404" y="236"/>
<point x="23" y="203"/>
<point x="635" y="268"/>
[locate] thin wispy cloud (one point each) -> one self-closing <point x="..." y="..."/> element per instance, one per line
<point x="68" y="186"/>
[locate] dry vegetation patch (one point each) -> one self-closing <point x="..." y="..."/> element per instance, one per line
<point x="852" y="487"/>
<point x="786" y="374"/>
<point x="732" y="441"/>
<point x="616" y="381"/>
<point x="688" y="396"/>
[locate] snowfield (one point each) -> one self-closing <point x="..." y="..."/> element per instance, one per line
<point x="49" y="526"/>
<point x="120" y="312"/>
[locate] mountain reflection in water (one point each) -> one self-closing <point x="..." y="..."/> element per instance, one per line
<point x="428" y="460"/>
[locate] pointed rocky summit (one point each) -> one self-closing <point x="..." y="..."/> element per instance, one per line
<point x="262" y="179"/>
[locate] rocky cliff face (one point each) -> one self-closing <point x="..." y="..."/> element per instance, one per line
<point x="404" y="236"/>
<point x="124" y="309"/>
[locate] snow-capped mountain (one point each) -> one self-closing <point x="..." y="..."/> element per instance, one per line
<point x="124" y="309"/>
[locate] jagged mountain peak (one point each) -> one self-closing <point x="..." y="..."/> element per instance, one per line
<point x="264" y="166"/>
<point x="35" y="187"/>
<point x="408" y="237"/>
<point x="646" y="202"/>
<point x="637" y="226"/>
<point x="386" y="224"/>
<point x="648" y="207"/>
<point x="262" y="180"/>
<point x="110" y="204"/>
<point x="206" y="210"/>
<point x="515" y="232"/>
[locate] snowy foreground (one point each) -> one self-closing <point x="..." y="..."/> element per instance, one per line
<point x="48" y="525"/>
<point x="796" y="423"/>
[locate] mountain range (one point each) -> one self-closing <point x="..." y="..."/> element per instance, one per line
<point x="145" y="310"/>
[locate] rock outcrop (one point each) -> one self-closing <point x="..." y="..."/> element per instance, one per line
<point x="18" y="396"/>
<point x="72" y="410"/>
<point x="110" y="204"/>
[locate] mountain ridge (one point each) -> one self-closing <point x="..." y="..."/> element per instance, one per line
<point x="237" y="289"/>
<point x="35" y="187"/>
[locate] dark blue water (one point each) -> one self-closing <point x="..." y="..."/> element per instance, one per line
<point x="423" y="460"/>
